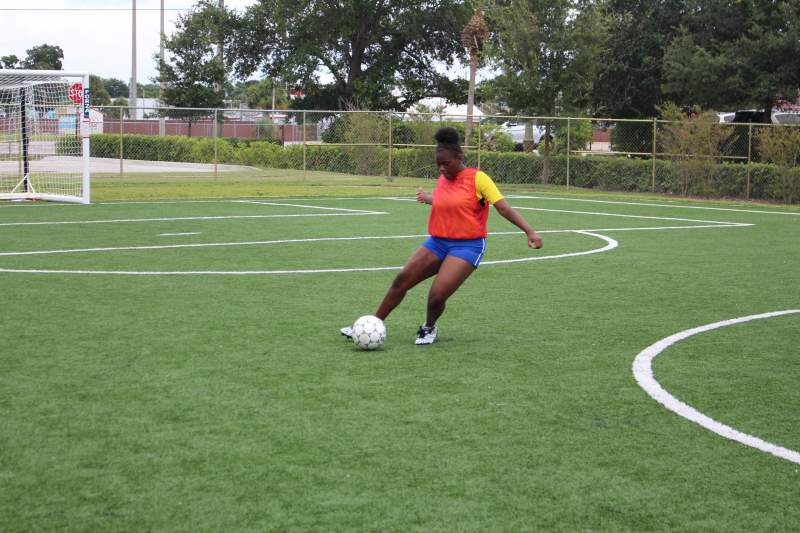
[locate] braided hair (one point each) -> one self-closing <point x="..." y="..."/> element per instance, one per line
<point x="447" y="138"/>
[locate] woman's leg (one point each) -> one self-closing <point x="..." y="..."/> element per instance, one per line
<point x="422" y="265"/>
<point x="452" y="274"/>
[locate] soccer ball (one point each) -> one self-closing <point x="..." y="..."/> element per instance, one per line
<point x="369" y="333"/>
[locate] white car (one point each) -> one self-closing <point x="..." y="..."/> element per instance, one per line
<point x="779" y="116"/>
<point x="785" y="116"/>
<point x="516" y="130"/>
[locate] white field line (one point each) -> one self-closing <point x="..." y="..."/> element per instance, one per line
<point x="37" y="204"/>
<point x="591" y="232"/>
<point x="600" y="213"/>
<point x="179" y="234"/>
<point x="413" y="199"/>
<point x="643" y="372"/>
<point x="170" y="219"/>
<point x="206" y="245"/>
<point x="348" y="212"/>
<point x="258" y="202"/>
<point x="587" y="231"/>
<point x="653" y="228"/>
<point x="646" y="204"/>
<point x="510" y="196"/>
<point x="610" y="245"/>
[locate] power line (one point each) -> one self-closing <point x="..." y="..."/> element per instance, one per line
<point x="32" y="9"/>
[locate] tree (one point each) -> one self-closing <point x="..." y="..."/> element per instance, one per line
<point x="44" y="57"/>
<point x="629" y="81"/>
<point x="474" y="35"/>
<point x="9" y="61"/>
<point x="262" y="94"/>
<point x="191" y="71"/>
<point x="751" y="49"/>
<point x="545" y="50"/>
<point x="780" y="145"/>
<point x="693" y="141"/>
<point x="98" y="95"/>
<point x="379" y="54"/>
<point x="120" y="107"/>
<point x="116" y="88"/>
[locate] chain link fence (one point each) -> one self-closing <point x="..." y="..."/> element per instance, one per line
<point x="690" y="157"/>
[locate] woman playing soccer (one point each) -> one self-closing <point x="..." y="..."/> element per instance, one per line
<point x="457" y="227"/>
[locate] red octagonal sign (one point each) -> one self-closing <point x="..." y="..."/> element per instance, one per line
<point x="76" y="93"/>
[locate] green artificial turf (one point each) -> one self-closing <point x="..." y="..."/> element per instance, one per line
<point x="229" y="402"/>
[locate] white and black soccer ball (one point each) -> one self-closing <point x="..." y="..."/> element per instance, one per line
<point x="369" y="333"/>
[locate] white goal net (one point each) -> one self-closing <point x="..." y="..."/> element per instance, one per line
<point x="44" y="135"/>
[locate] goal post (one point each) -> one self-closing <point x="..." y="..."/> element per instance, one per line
<point x="44" y="135"/>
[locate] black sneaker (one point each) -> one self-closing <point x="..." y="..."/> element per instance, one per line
<point x="426" y="335"/>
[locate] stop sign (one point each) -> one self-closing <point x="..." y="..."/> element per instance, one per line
<point x="76" y="93"/>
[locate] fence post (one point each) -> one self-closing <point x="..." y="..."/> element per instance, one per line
<point x="215" y="133"/>
<point x="749" y="157"/>
<point x="389" y="176"/>
<point x="568" y="147"/>
<point x="304" y="145"/>
<point x="653" y="182"/>
<point x="121" y="130"/>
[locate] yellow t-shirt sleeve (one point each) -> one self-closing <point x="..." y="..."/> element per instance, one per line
<point x="486" y="189"/>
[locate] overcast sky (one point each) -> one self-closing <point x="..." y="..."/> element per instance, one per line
<point x="95" y="35"/>
<point x="96" y="39"/>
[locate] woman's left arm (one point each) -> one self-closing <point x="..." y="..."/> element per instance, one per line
<point x="510" y="214"/>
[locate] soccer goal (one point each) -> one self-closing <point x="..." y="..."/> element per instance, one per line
<point x="44" y="135"/>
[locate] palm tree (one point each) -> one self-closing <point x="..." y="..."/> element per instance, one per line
<point x="474" y="35"/>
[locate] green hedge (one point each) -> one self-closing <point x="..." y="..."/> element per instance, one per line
<point x="767" y="182"/>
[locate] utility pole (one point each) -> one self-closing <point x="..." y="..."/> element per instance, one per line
<point x="161" y="121"/>
<point x="132" y="90"/>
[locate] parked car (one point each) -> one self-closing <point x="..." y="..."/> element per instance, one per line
<point x="785" y="117"/>
<point x="726" y="117"/>
<point x="516" y="130"/>
<point x="744" y="116"/>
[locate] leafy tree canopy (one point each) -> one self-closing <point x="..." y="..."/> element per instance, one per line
<point x="369" y="49"/>
<point x="631" y="65"/>
<point x="116" y="88"/>
<point x="9" y="61"/>
<point x="44" y="57"/>
<point x="192" y="74"/>
<point x="547" y="54"/>
<point x="98" y="95"/>
<point x="732" y="55"/>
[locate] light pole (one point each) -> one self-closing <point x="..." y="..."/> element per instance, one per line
<point x="132" y="90"/>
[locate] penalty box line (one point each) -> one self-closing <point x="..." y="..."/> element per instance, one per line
<point x="359" y="211"/>
<point x="331" y="239"/>
<point x="170" y="219"/>
<point x="620" y="215"/>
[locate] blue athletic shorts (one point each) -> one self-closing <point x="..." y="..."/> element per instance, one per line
<point x="470" y="250"/>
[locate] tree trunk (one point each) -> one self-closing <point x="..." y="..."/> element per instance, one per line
<point x="546" y="155"/>
<point x="473" y="68"/>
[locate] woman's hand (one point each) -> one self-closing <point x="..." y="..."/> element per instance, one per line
<point x="534" y="241"/>
<point x="423" y="197"/>
<point x="505" y="209"/>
